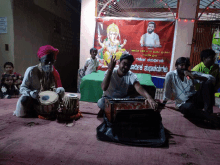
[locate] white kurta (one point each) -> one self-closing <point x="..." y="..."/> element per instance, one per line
<point x="30" y="87"/>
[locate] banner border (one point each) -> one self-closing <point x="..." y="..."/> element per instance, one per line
<point x="136" y="18"/>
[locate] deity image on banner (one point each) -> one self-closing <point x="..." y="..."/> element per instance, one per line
<point x="111" y="46"/>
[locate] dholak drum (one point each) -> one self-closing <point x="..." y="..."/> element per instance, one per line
<point x="49" y="103"/>
<point x="70" y="107"/>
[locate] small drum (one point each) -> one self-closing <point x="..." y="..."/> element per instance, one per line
<point x="70" y="107"/>
<point x="49" y="103"/>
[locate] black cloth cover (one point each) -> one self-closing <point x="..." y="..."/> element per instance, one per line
<point x="139" y="128"/>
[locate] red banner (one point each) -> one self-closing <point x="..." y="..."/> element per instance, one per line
<point x="150" y="42"/>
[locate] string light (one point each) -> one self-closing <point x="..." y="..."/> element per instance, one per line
<point x="185" y="19"/>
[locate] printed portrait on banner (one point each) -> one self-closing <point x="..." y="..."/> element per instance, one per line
<point x="149" y="41"/>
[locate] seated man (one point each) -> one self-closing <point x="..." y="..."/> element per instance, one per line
<point x="42" y="77"/>
<point x="180" y="83"/>
<point x="117" y="81"/>
<point x="208" y="66"/>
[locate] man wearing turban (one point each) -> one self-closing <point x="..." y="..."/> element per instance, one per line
<point x="41" y="77"/>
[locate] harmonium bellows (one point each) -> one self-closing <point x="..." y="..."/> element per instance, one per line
<point x="112" y="106"/>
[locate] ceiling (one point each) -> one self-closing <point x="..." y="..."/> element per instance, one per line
<point x="209" y="9"/>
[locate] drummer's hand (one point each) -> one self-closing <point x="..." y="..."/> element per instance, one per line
<point x="38" y="99"/>
<point x="152" y="103"/>
<point x="34" y="94"/>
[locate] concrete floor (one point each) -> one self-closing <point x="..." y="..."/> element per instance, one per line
<point x="37" y="141"/>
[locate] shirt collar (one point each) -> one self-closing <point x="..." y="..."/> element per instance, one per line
<point x="175" y="71"/>
<point x="203" y="66"/>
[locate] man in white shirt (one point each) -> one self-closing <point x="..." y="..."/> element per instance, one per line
<point x="38" y="78"/>
<point x="150" y="39"/>
<point x="117" y="81"/>
<point x="180" y="83"/>
<point x="92" y="63"/>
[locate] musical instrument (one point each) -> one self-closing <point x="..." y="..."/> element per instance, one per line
<point x="70" y="107"/>
<point x="132" y="122"/>
<point x="112" y="106"/>
<point x="49" y="103"/>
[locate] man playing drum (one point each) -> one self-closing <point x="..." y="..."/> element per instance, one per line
<point x="117" y="81"/>
<point x="42" y="77"/>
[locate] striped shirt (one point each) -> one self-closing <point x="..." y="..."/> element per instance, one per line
<point x="182" y="90"/>
<point x="118" y="86"/>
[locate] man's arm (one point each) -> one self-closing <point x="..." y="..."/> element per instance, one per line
<point x="106" y="81"/>
<point x="167" y="88"/>
<point x="157" y="40"/>
<point x="142" y="40"/>
<point x="199" y="76"/>
<point x="25" y="86"/>
<point x="141" y="90"/>
<point x="97" y="65"/>
<point x="86" y="65"/>
<point x="145" y="94"/>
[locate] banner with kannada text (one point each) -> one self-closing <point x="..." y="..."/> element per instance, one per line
<point x="149" y="41"/>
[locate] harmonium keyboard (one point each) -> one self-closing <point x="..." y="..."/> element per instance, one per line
<point x="133" y="106"/>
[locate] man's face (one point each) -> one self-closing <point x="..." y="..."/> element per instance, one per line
<point x="47" y="62"/>
<point x="93" y="54"/>
<point x="150" y="28"/>
<point x="124" y="66"/>
<point x="181" y="67"/>
<point x="209" y="61"/>
<point x="9" y="69"/>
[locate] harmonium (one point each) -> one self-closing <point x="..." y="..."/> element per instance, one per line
<point x="127" y="105"/>
<point x="131" y="117"/>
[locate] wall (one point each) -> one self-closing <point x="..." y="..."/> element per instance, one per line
<point x="35" y="26"/>
<point x="87" y="30"/>
<point x="6" y="38"/>
<point x="184" y="35"/>
<point x="58" y="9"/>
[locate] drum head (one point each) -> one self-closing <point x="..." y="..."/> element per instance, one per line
<point x="72" y="95"/>
<point x="48" y="97"/>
